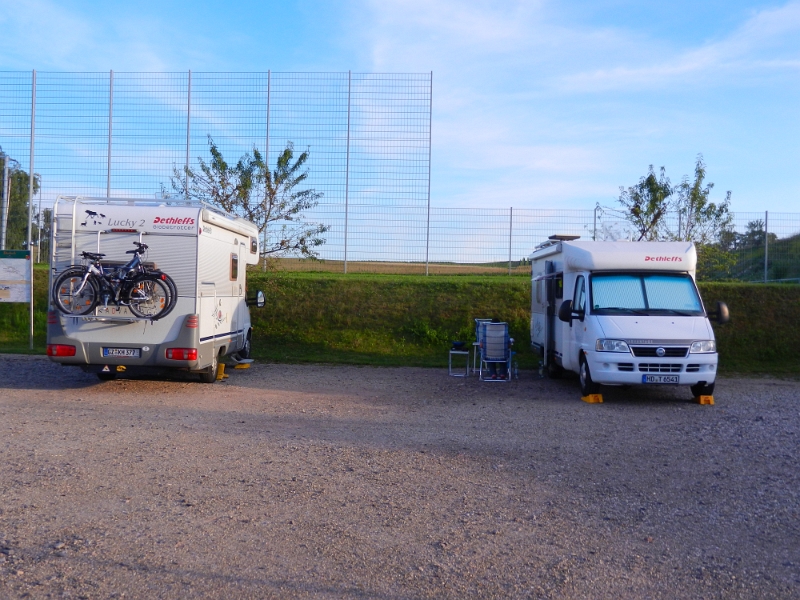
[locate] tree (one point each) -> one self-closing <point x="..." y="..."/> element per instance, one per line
<point x="17" y="232"/>
<point x="701" y="220"/>
<point x="646" y="204"/>
<point x="272" y="199"/>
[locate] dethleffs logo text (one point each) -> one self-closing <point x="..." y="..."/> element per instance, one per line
<point x="663" y="259"/>
<point x="174" y="221"/>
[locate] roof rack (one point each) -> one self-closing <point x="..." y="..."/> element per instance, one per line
<point x="555" y="239"/>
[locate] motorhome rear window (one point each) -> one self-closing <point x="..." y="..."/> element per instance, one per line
<point x="644" y="293"/>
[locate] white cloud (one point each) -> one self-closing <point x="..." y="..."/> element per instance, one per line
<point x="741" y="52"/>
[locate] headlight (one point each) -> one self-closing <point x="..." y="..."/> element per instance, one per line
<point x="704" y="347"/>
<point x="611" y="346"/>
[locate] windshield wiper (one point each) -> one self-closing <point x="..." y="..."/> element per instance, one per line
<point x="620" y="309"/>
<point x="683" y="313"/>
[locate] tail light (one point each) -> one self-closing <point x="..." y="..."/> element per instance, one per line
<point x="182" y="353"/>
<point x="192" y="321"/>
<point x="52" y="317"/>
<point x="60" y="350"/>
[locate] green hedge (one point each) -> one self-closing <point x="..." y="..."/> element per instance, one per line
<point x="764" y="332"/>
<point x="411" y="320"/>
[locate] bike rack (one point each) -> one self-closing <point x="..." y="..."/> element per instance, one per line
<point x="100" y="319"/>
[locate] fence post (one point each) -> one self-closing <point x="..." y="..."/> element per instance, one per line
<point x="4" y="201"/>
<point x="266" y="159"/>
<point x="188" y="133"/>
<point x="347" y="172"/>
<point x="110" y="122"/>
<point x="766" y="244"/>
<point x="428" y="225"/>
<point x="30" y="197"/>
<point x="510" y="229"/>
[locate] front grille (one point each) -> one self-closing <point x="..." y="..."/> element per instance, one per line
<point x="659" y="368"/>
<point x="692" y="368"/>
<point x="669" y="352"/>
<point x="625" y="367"/>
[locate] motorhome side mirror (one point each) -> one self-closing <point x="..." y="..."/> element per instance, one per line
<point x="722" y="315"/>
<point x="565" y="311"/>
<point x="259" y="301"/>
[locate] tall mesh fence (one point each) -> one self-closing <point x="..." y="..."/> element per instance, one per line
<point x="369" y="140"/>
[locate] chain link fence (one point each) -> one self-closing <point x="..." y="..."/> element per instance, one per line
<point x="369" y="139"/>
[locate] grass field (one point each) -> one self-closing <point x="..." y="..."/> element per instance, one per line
<point x="385" y="319"/>
<point x="399" y="268"/>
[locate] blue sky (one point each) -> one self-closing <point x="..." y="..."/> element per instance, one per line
<point x="536" y="104"/>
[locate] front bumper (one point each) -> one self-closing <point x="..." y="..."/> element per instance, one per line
<point x="617" y="368"/>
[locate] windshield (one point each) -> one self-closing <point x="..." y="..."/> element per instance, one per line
<point x="644" y="294"/>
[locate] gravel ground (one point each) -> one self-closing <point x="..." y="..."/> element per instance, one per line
<point x="347" y="482"/>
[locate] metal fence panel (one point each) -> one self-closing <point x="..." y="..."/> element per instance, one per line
<point x="369" y="139"/>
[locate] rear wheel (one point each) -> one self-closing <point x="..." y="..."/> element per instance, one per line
<point x="702" y="389"/>
<point x="588" y="387"/>
<point x="210" y="374"/>
<point x="72" y="299"/>
<point x="554" y="371"/>
<point x="149" y="298"/>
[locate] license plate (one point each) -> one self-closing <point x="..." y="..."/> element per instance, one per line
<point x="673" y="379"/>
<point x="122" y="352"/>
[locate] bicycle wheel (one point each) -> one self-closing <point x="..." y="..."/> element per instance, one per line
<point x="68" y="299"/>
<point x="149" y="298"/>
<point x="173" y="291"/>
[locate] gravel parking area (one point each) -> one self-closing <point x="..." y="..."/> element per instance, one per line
<point x="348" y="482"/>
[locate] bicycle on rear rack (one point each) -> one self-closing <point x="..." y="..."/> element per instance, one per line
<point x="147" y="293"/>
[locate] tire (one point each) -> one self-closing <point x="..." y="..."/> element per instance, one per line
<point x="554" y="371"/>
<point x="703" y="389"/>
<point x="65" y="298"/>
<point x="149" y="298"/>
<point x="244" y="351"/>
<point x="173" y="291"/>
<point x="105" y="376"/>
<point x="210" y="374"/>
<point x="588" y="387"/>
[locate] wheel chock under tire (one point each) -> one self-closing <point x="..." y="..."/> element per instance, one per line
<point x="593" y="398"/>
<point x="221" y="372"/>
<point x="705" y="400"/>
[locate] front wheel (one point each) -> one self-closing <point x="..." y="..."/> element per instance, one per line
<point x="588" y="387"/>
<point x="149" y="298"/>
<point x="244" y="351"/>
<point x="703" y="389"/>
<point x="72" y="296"/>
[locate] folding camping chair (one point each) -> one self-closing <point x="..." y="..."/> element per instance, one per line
<point x="496" y="356"/>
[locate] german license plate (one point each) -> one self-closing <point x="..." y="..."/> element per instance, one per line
<point x="673" y="379"/>
<point x="122" y="352"/>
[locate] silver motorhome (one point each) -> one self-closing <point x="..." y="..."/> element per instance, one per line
<point x="203" y="249"/>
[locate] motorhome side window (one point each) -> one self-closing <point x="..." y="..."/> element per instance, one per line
<point x="559" y="283"/>
<point x="234" y="267"/>
<point x="579" y="301"/>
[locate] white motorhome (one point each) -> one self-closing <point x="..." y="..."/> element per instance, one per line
<point x="204" y="250"/>
<point x="622" y="313"/>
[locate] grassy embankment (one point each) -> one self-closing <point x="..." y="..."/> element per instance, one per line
<point x="411" y="319"/>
